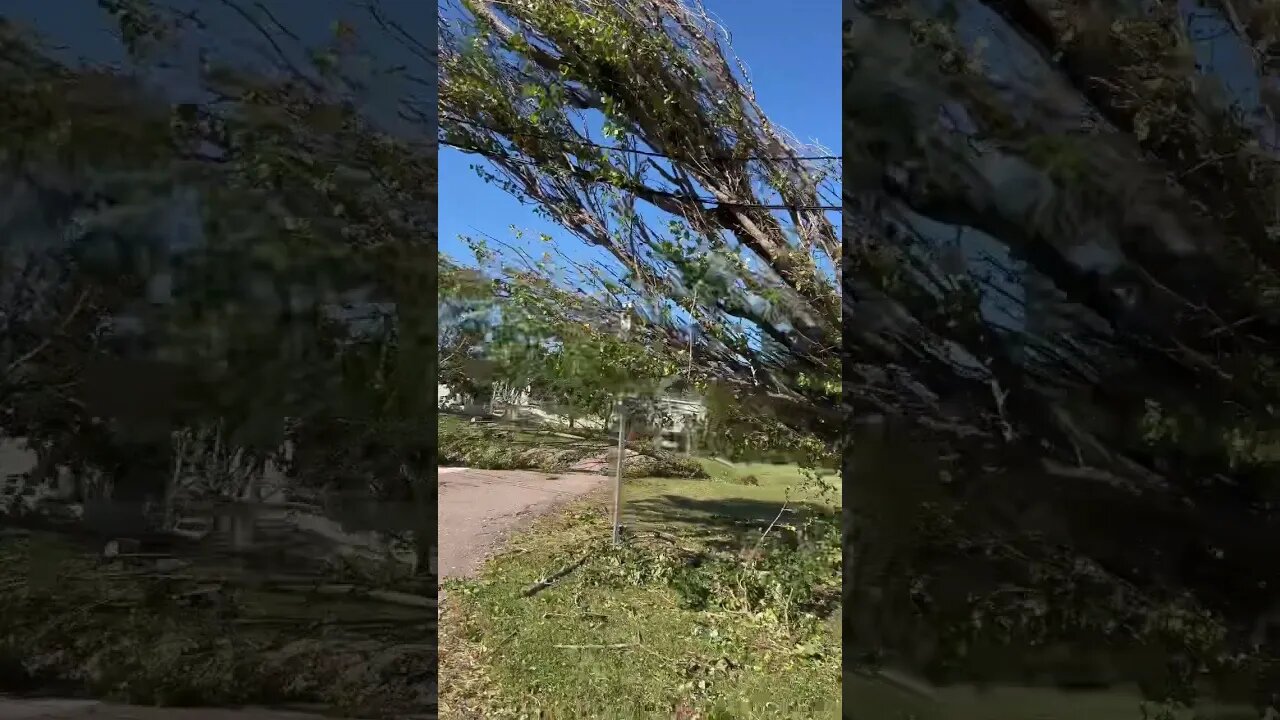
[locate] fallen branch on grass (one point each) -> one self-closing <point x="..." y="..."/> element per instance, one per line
<point x="755" y="551"/>
<point x="904" y="683"/>
<point x="304" y="584"/>
<point x="598" y="616"/>
<point x="387" y="596"/>
<point x="675" y="541"/>
<point x="617" y="646"/>
<point x="550" y="580"/>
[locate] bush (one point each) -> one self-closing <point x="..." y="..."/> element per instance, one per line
<point x="663" y="465"/>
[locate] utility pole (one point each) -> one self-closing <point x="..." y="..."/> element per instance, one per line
<point x="689" y="420"/>
<point x="692" y="309"/>
<point x="617" y="480"/>
<point x="624" y="325"/>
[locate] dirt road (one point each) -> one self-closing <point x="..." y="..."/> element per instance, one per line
<point x="480" y="508"/>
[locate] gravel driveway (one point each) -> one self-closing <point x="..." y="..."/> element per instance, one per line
<point x="481" y="508"/>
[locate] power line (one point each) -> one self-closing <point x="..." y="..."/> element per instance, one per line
<point x="646" y="153"/>
<point x="678" y="196"/>
<point x="694" y="198"/>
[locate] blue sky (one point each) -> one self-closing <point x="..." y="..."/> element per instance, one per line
<point x="793" y="57"/>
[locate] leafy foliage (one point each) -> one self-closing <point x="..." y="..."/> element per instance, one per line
<point x="682" y="201"/>
<point x="791" y="582"/>
<point x="1060" y="299"/>
<point x="287" y="201"/>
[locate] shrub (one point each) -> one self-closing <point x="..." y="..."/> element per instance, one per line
<point x="663" y="465"/>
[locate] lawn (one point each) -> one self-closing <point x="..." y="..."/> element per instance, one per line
<point x="676" y="623"/>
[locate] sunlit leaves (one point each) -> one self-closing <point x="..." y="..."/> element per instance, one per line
<point x="525" y="84"/>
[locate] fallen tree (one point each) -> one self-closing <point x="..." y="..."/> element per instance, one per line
<point x="1059" y="295"/>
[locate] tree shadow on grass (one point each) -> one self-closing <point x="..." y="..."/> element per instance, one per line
<point x="721" y="523"/>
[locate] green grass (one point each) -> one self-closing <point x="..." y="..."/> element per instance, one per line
<point x="726" y="510"/>
<point x="619" y="638"/>
<point x="777" y="475"/>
